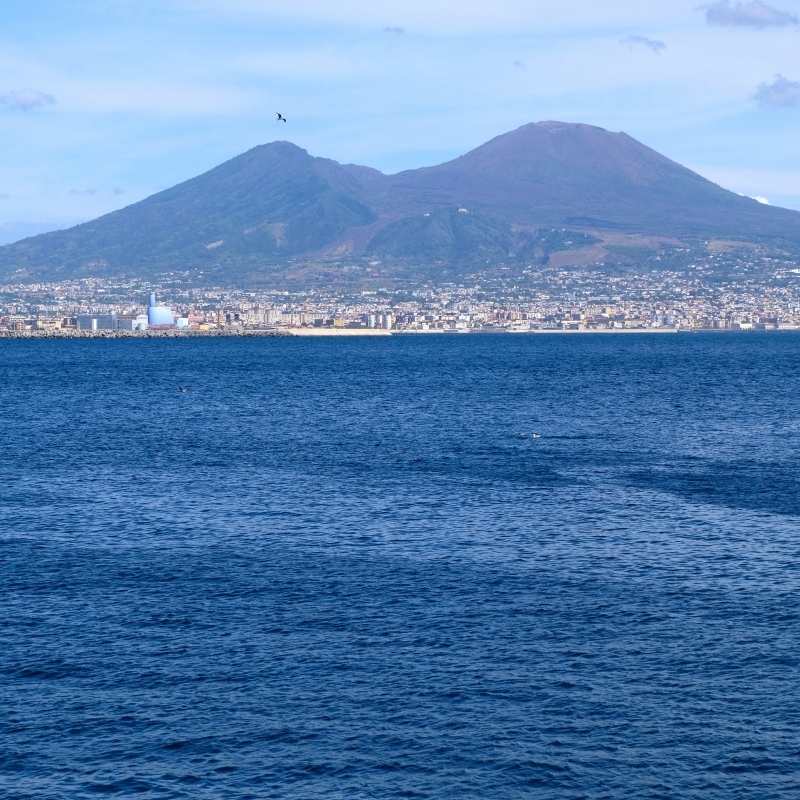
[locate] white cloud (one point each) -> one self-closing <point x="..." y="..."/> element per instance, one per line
<point x="161" y="87"/>
<point x="780" y="93"/>
<point x="754" y="14"/>
<point x="26" y="99"/>
<point x="656" y="45"/>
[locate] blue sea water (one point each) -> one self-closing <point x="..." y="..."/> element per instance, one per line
<point x="347" y="569"/>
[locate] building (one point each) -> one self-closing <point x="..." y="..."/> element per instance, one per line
<point x="132" y="322"/>
<point x="159" y="316"/>
<point x="96" y="322"/>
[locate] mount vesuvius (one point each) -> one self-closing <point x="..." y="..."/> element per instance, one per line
<point x="543" y="188"/>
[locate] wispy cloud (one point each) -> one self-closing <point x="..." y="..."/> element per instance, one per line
<point x="116" y="191"/>
<point x="26" y="100"/>
<point x="780" y="93"/>
<point x="656" y="45"/>
<point x="753" y="14"/>
<point x="396" y="30"/>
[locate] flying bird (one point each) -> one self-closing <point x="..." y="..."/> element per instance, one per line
<point x="280" y="117"/>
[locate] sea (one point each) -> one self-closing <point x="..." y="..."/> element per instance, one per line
<point x="481" y="566"/>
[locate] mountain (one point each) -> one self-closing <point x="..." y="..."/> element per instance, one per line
<point x="541" y="189"/>
<point x="554" y="173"/>
<point x="272" y="202"/>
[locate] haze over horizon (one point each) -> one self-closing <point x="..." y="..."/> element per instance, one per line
<point x="91" y="126"/>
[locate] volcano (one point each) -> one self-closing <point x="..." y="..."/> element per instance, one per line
<point x="542" y="188"/>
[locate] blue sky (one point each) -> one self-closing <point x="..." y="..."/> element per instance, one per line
<point x="103" y="102"/>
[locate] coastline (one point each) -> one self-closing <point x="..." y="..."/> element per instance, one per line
<point x="155" y="334"/>
<point x="350" y="333"/>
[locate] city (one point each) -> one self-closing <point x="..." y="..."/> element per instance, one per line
<point x="728" y="291"/>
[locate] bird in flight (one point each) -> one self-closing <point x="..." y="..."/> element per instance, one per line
<point x="280" y="117"/>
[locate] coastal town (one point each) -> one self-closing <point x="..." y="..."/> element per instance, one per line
<point x="753" y="296"/>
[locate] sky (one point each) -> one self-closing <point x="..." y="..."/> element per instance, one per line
<point x="104" y="102"/>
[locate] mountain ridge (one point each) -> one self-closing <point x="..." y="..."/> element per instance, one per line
<point x="276" y="204"/>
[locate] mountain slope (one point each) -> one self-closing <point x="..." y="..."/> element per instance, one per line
<point x="276" y="204"/>
<point x="554" y="173"/>
<point x="274" y="201"/>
